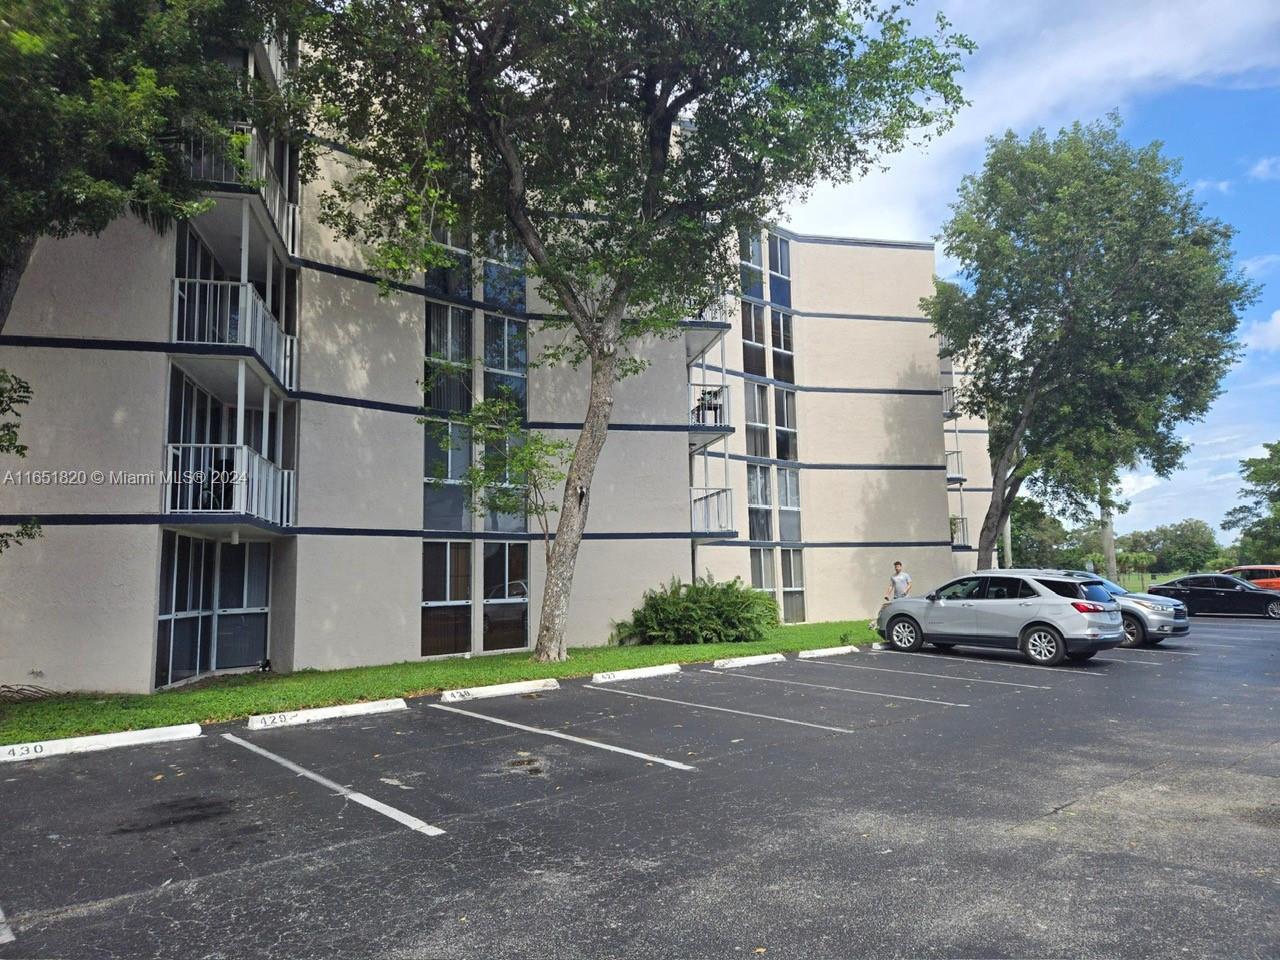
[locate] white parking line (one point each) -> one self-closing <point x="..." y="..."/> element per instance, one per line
<point x="940" y="676"/>
<point x="705" y="706"/>
<point x="413" y="823"/>
<point x="819" y="686"/>
<point x="996" y="663"/>
<point x="6" y="932"/>
<point x="1145" y="663"/>
<point x="674" y="764"/>
<point x="1172" y="653"/>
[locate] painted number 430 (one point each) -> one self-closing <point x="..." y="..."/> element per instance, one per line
<point x="25" y="750"/>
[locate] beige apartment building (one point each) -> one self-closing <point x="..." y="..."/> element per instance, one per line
<point x="228" y="462"/>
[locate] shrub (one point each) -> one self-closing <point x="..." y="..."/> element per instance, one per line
<point x="700" y="612"/>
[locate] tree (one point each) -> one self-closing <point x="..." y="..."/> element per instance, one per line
<point x="621" y="145"/>
<point x="1258" y="518"/>
<point x="101" y="99"/>
<point x="1186" y="545"/>
<point x="14" y="393"/>
<point x="1038" y="536"/>
<point x="1096" y="312"/>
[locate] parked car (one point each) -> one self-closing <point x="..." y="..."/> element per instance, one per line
<point x="1266" y="576"/>
<point x="1049" y="617"/>
<point x="1147" y="618"/>
<point x="1219" y="593"/>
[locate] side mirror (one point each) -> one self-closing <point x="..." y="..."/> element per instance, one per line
<point x="931" y="597"/>
<point x="1238" y="587"/>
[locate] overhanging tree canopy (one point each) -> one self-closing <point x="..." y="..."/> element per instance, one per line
<point x="1096" y="312"/>
<point x="622" y="143"/>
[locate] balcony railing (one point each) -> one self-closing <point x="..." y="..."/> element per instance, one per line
<point x="711" y="509"/>
<point x="231" y="312"/>
<point x="211" y="160"/>
<point x="955" y="466"/>
<point x="949" y="411"/>
<point x="709" y="405"/>
<point x="277" y="56"/>
<point x="211" y="478"/>
<point x="960" y="532"/>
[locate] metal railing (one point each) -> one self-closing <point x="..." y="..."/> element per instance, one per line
<point x="210" y="159"/>
<point x="955" y="466"/>
<point x="228" y="478"/>
<point x="709" y="405"/>
<point x="277" y="56"/>
<point x="711" y="509"/>
<point x="960" y="532"/>
<point x="949" y="411"/>
<point x="232" y="312"/>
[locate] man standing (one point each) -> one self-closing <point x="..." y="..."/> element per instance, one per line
<point x="899" y="583"/>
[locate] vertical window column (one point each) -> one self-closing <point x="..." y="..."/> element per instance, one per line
<point x="779" y="270"/>
<point x="753" y="334"/>
<point x="757" y="419"/>
<point x="785" y="418"/>
<point x="759" y="503"/>
<point x="506" y="596"/>
<point x="788" y="504"/>
<point x="784" y="365"/>
<point x="792" y="585"/>
<point x="762" y="569"/>
<point x="752" y="265"/>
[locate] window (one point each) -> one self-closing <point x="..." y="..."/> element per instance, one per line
<point x="504" y="277"/>
<point x="1063" y="588"/>
<point x="446" y="459"/>
<point x="454" y="278"/>
<point x="965" y="589"/>
<point x="762" y="569"/>
<point x="448" y="370"/>
<point x="753" y="349"/>
<point x="752" y="265"/>
<point x="792" y="586"/>
<point x="497" y="459"/>
<point x="779" y="270"/>
<point x="759" y="503"/>
<point x="446" y="598"/>
<point x="244" y="576"/>
<point x="784" y="367"/>
<point x="1097" y="592"/>
<point x="505" y="359"/>
<point x="506" y="596"/>
<point x="757" y="396"/>
<point x="784" y="410"/>
<point x="1004" y="588"/>
<point x="788" y="504"/>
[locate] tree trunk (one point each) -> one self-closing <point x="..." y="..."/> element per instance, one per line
<point x="1007" y="531"/>
<point x="573" y="510"/>
<point x="991" y="524"/>
<point x="1109" y="542"/>
<point x="11" y="270"/>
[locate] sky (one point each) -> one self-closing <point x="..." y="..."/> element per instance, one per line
<point x="1203" y="77"/>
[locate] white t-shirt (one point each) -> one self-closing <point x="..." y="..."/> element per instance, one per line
<point x="901" y="581"/>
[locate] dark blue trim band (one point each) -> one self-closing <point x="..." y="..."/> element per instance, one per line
<point x="756" y="378"/>
<point x="769" y="461"/>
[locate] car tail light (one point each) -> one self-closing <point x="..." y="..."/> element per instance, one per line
<point x="1085" y="607"/>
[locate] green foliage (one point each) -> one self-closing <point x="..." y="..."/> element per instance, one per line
<point x="1186" y="545"/>
<point x="554" y="126"/>
<point x="14" y="393"/>
<point x="700" y="612"/>
<point x="101" y="96"/>
<point x="1258" y="518"/>
<point x="1038" y="536"/>
<point x="1135" y="561"/>
<point x="1096" y="312"/>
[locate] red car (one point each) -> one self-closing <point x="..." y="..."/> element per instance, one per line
<point x="1264" y="575"/>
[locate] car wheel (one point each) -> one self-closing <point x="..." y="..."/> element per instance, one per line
<point x="1273" y="610"/>
<point x="1082" y="655"/>
<point x="904" y="635"/>
<point x="1135" y="634"/>
<point x="1044" y="646"/>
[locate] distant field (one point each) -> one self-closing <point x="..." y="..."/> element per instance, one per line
<point x="1140" y="581"/>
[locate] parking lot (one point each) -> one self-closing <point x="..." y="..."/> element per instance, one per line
<point x="964" y="804"/>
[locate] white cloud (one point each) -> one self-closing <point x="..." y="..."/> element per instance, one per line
<point x="1264" y="335"/>
<point x="1260" y="265"/>
<point x="1212" y="186"/>
<point x="1215" y="441"/>
<point x="1045" y="63"/>
<point x="1268" y="168"/>
<point x="1133" y="484"/>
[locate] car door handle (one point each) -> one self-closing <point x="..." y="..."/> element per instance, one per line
<point x="966" y="604"/>
<point x="1025" y="603"/>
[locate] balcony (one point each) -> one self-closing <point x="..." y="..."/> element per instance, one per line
<point x="709" y="416"/>
<point x="212" y="161"/>
<point x="233" y="313"/>
<point x="228" y="479"/>
<point x="707" y="329"/>
<point x="955" y="467"/>
<point x="711" y="510"/>
<point x="960" y="533"/>
<point x="949" y="411"/>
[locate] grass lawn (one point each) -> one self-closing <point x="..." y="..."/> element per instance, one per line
<point x="1138" y="582"/>
<point x="232" y="698"/>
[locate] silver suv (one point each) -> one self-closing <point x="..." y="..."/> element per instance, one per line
<point x="1049" y="617"/>
<point x="1147" y="618"/>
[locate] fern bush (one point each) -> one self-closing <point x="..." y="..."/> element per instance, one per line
<point x="700" y="612"/>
